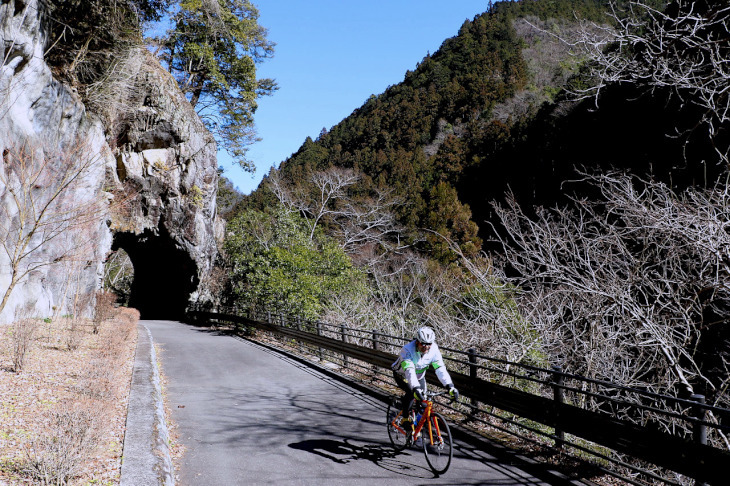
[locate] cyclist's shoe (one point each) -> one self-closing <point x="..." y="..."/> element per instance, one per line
<point x="407" y="425"/>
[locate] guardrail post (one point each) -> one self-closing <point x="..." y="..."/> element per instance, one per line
<point x="558" y="398"/>
<point x="299" y="328"/>
<point x="700" y="429"/>
<point x="345" y="362"/>
<point x="319" y="333"/>
<point x="473" y="375"/>
<point x="268" y="317"/>
<point x="375" y="348"/>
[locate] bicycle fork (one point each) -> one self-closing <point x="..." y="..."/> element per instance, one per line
<point x="432" y="424"/>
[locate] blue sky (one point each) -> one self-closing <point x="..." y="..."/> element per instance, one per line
<point x="331" y="55"/>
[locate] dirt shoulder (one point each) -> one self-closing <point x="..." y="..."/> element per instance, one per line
<point x="63" y="413"/>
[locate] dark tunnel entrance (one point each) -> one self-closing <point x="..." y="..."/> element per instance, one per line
<point x="164" y="275"/>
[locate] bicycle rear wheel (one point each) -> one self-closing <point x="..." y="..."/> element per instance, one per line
<point x="437" y="446"/>
<point x="393" y="417"/>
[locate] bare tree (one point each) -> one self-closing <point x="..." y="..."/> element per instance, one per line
<point x="357" y="222"/>
<point x="22" y="339"/>
<point x="618" y="289"/>
<point x="468" y="308"/>
<point x="369" y="221"/>
<point x="685" y="48"/>
<point x="317" y="199"/>
<point x="402" y="288"/>
<point x="477" y="307"/>
<point x="46" y="201"/>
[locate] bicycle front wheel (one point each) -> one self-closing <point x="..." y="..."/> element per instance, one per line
<point x="395" y="433"/>
<point x="437" y="444"/>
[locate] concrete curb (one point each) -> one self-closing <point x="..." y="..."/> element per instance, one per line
<point x="146" y="458"/>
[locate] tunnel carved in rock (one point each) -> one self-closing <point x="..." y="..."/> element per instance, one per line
<point x="164" y="274"/>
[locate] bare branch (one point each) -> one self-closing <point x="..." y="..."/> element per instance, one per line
<point x="46" y="204"/>
<point x="359" y="223"/>
<point x="685" y="48"/>
<point x="619" y="289"/>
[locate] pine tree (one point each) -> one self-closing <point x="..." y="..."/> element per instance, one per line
<point x="212" y="51"/>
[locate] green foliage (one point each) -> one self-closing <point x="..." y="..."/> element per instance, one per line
<point x="559" y="9"/>
<point x="212" y="51"/>
<point x="195" y="196"/>
<point x="228" y="196"/>
<point x="274" y="264"/>
<point x="452" y="220"/>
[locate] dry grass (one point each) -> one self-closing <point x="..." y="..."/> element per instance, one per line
<point x="62" y="416"/>
<point x="21" y="338"/>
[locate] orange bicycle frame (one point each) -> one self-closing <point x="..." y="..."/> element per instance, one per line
<point x="424" y="418"/>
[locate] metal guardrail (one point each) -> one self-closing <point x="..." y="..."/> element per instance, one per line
<point x="554" y="403"/>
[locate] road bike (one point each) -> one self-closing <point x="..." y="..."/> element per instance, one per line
<point x="430" y="428"/>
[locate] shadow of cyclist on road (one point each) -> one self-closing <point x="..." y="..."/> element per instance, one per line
<point x="343" y="452"/>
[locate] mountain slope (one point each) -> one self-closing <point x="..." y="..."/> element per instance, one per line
<point x="484" y="115"/>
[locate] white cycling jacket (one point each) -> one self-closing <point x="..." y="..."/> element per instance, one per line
<point x="413" y="365"/>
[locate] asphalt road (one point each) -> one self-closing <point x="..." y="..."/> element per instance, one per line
<point x="248" y="416"/>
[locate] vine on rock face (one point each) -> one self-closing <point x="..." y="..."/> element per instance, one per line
<point x="84" y="37"/>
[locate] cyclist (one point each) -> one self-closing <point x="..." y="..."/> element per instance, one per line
<point x="409" y="370"/>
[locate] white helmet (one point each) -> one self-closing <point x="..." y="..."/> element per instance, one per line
<point x="425" y="335"/>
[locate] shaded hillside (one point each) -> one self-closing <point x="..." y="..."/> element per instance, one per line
<point x="539" y="159"/>
<point x="484" y="115"/>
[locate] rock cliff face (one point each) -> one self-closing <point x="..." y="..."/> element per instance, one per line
<point x="166" y="161"/>
<point x="74" y="185"/>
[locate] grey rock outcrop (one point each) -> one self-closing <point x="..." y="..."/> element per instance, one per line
<point x="167" y="159"/>
<point x="145" y="180"/>
<point x="42" y="124"/>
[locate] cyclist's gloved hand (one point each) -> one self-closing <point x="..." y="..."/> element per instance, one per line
<point x="418" y="393"/>
<point x="453" y="392"/>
